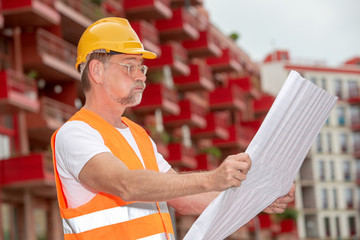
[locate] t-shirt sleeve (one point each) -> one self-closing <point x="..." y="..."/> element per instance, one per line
<point x="164" y="166"/>
<point x="75" y="144"/>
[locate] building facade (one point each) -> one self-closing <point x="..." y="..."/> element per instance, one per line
<point x="328" y="190"/>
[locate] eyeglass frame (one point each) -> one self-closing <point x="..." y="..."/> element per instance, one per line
<point x="131" y="65"/>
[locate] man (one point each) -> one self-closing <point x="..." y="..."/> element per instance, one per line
<point x="111" y="181"/>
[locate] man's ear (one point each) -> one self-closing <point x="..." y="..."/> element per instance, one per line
<point x="96" y="71"/>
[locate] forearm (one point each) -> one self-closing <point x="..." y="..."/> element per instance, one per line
<point x="194" y="204"/>
<point x="144" y="185"/>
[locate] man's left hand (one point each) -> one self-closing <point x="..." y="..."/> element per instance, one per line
<point x="281" y="203"/>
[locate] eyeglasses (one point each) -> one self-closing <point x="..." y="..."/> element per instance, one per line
<point x="133" y="69"/>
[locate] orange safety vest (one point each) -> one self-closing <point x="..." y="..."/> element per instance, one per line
<point x="107" y="216"/>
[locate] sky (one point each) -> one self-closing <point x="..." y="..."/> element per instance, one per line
<point x="317" y="30"/>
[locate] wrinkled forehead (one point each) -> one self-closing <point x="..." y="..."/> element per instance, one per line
<point x="128" y="58"/>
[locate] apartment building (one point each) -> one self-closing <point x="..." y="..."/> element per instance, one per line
<point x="328" y="186"/>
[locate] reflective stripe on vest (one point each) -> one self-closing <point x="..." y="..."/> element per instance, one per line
<point x="112" y="216"/>
<point x="160" y="236"/>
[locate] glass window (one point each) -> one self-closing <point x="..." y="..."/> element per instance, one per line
<point x="4" y="146"/>
<point x="338" y="88"/>
<point x="355" y="114"/>
<point x="340" y="110"/>
<point x="343" y="143"/>
<point x="323" y="84"/>
<point x="349" y="196"/>
<point x="335" y="198"/>
<point x="352" y="226"/>
<point x="324" y="198"/>
<point x="346" y="170"/>
<point x="321" y="170"/>
<point x="327" y="227"/>
<point x="332" y="170"/>
<point x="319" y="147"/>
<point x="358" y="171"/>
<point x="313" y="80"/>
<point x="353" y="87"/>
<point x="338" y="230"/>
<point x="329" y="142"/>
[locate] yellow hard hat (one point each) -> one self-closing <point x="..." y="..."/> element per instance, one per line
<point x="112" y="34"/>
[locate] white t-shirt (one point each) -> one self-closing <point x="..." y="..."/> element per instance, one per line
<point x="76" y="143"/>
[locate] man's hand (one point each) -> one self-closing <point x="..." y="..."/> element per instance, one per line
<point x="281" y="203"/>
<point x="231" y="172"/>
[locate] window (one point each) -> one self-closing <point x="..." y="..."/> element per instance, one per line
<point x="313" y="80"/>
<point x="327" y="227"/>
<point x="329" y="142"/>
<point x="356" y="137"/>
<point x="358" y="171"/>
<point x="352" y="226"/>
<point x="340" y="115"/>
<point x="319" y="147"/>
<point x="4" y="146"/>
<point x="343" y="142"/>
<point x="353" y="89"/>
<point x="323" y="84"/>
<point x="324" y="198"/>
<point x="338" y="230"/>
<point x="346" y="170"/>
<point x="335" y="198"/>
<point x="349" y="196"/>
<point x="338" y="88"/>
<point x="4" y="53"/>
<point x="332" y="170"/>
<point x="355" y="114"/>
<point x="321" y="170"/>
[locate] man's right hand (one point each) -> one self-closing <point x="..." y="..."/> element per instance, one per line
<point x="231" y="172"/>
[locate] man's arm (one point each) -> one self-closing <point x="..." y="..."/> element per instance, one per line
<point x="196" y="204"/>
<point x="106" y="173"/>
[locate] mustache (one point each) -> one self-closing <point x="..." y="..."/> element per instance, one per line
<point x="139" y="83"/>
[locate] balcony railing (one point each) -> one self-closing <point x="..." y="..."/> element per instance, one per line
<point x="216" y="127"/>
<point x="246" y="85"/>
<point x="17" y="92"/>
<point x="157" y="96"/>
<point x="204" y="163"/>
<point x="52" y="115"/>
<point x="227" y="62"/>
<point x="148" y="9"/>
<point x="148" y="35"/>
<point x="181" y="26"/>
<point x="227" y="98"/>
<point x="200" y="78"/>
<point x="263" y="104"/>
<point x="35" y="169"/>
<point x="204" y="46"/>
<point x="191" y="114"/>
<point x="239" y="137"/>
<point x="181" y="156"/>
<point x="28" y="13"/>
<point x="173" y="55"/>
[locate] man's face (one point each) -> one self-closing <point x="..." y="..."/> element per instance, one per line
<point x="124" y="81"/>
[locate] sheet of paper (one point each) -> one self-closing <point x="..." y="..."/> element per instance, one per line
<point x="277" y="152"/>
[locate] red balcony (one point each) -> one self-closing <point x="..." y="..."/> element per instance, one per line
<point x="181" y="156"/>
<point x="30" y="13"/>
<point x="200" y="78"/>
<point x="157" y="96"/>
<point x="355" y="99"/>
<point x="181" y="26"/>
<point x="245" y="84"/>
<point x="147" y="9"/>
<point x="52" y="57"/>
<point x="148" y="35"/>
<point x="204" y="163"/>
<point x="17" y="92"/>
<point x="173" y="55"/>
<point x="34" y="170"/>
<point x="227" y="62"/>
<point x="263" y="104"/>
<point x="239" y="137"/>
<point x="52" y="115"/>
<point x="216" y="127"/>
<point x="227" y="98"/>
<point x="204" y="46"/>
<point x="191" y="114"/>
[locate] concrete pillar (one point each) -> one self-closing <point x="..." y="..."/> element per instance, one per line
<point x="29" y="216"/>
